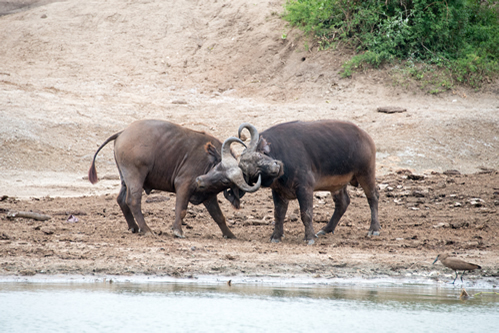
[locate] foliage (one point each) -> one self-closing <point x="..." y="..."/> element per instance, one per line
<point x="461" y="36"/>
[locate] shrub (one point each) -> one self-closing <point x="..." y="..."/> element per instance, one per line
<point x="459" y="35"/>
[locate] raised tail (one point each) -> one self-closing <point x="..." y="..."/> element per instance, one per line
<point x="92" y="172"/>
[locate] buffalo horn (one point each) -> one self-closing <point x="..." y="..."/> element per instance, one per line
<point x="227" y="157"/>
<point x="233" y="171"/>
<point x="254" y="135"/>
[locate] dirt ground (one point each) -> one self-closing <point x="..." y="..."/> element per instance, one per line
<point x="72" y="73"/>
<point x="420" y="218"/>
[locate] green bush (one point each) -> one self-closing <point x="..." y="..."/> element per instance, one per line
<point x="459" y="35"/>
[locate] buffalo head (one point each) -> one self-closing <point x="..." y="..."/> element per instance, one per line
<point x="226" y="174"/>
<point x="256" y="160"/>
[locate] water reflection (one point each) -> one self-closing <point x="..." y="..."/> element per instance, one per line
<point x="191" y="307"/>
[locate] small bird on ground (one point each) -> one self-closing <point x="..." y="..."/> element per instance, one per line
<point x="456" y="264"/>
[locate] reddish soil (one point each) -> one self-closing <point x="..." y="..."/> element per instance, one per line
<point x="420" y="218"/>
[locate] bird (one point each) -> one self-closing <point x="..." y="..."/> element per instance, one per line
<point x="456" y="265"/>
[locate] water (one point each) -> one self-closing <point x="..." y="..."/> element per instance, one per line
<point x="217" y="307"/>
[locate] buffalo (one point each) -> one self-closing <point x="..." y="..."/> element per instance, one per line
<point x="155" y="154"/>
<point x="297" y="158"/>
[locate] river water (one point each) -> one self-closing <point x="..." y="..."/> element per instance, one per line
<point x="179" y="306"/>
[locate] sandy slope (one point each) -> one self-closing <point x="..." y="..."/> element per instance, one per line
<point x="74" y="72"/>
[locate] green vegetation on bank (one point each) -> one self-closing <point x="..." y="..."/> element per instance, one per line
<point x="447" y="41"/>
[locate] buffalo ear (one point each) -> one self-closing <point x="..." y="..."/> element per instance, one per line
<point x="212" y="152"/>
<point x="233" y="195"/>
<point x="263" y="146"/>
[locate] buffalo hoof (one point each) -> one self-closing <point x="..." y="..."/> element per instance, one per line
<point x="322" y="233"/>
<point x="310" y="242"/>
<point x="230" y="237"/>
<point x="134" y="230"/>
<point x="178" y="234"/>
<point x="373" y="233"/>
<point x="147" y="233"/>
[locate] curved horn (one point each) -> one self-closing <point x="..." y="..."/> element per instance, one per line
<point x="254" y="135"/>
<point x="238" y="179"/>
<point x="234" y="173"/>
<point x="226" y="154"/>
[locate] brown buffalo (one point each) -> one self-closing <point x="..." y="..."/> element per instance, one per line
<point x="155" y="154"/>
<point x="297" y="158"/>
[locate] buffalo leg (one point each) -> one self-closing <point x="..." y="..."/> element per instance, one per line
<point x="132" y="226"/>
<point x="181" y="204"/>
<point x="368" y="183"/>
<point x="216" y="213"/>
<point x="341" y="202"/>
<point x="280" y="209"/>
<point x="305" y="199"/>
<point x="133" y="200"/>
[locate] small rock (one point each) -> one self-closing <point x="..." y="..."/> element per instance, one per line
<point x="459" y="224"/>
<point x="415" y="177"/>
<point x="441" y="225"/>
<point x="27" y="272"/>
<point x="419" y="194"/>
<point x="472" y="245"/>
<point x="484" y="170"/>
<point x="451" y="172"/>
<point x="382" y="186"/>
<point x="391" y="109"/>
<point x="340" y="265"/>
<point x="476" y="202"/>
<point x="405" y="193"/>
<point x="72" y="219"/>
<point x="47" y="230"/>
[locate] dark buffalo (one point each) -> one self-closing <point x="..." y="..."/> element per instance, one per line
<point x="155" y="154"/>
<point x="297" y="158"/>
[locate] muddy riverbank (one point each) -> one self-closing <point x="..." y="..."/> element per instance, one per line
<point x="421" y="216"/>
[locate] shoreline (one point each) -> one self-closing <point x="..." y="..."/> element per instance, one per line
<point x="443" y="280"/>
